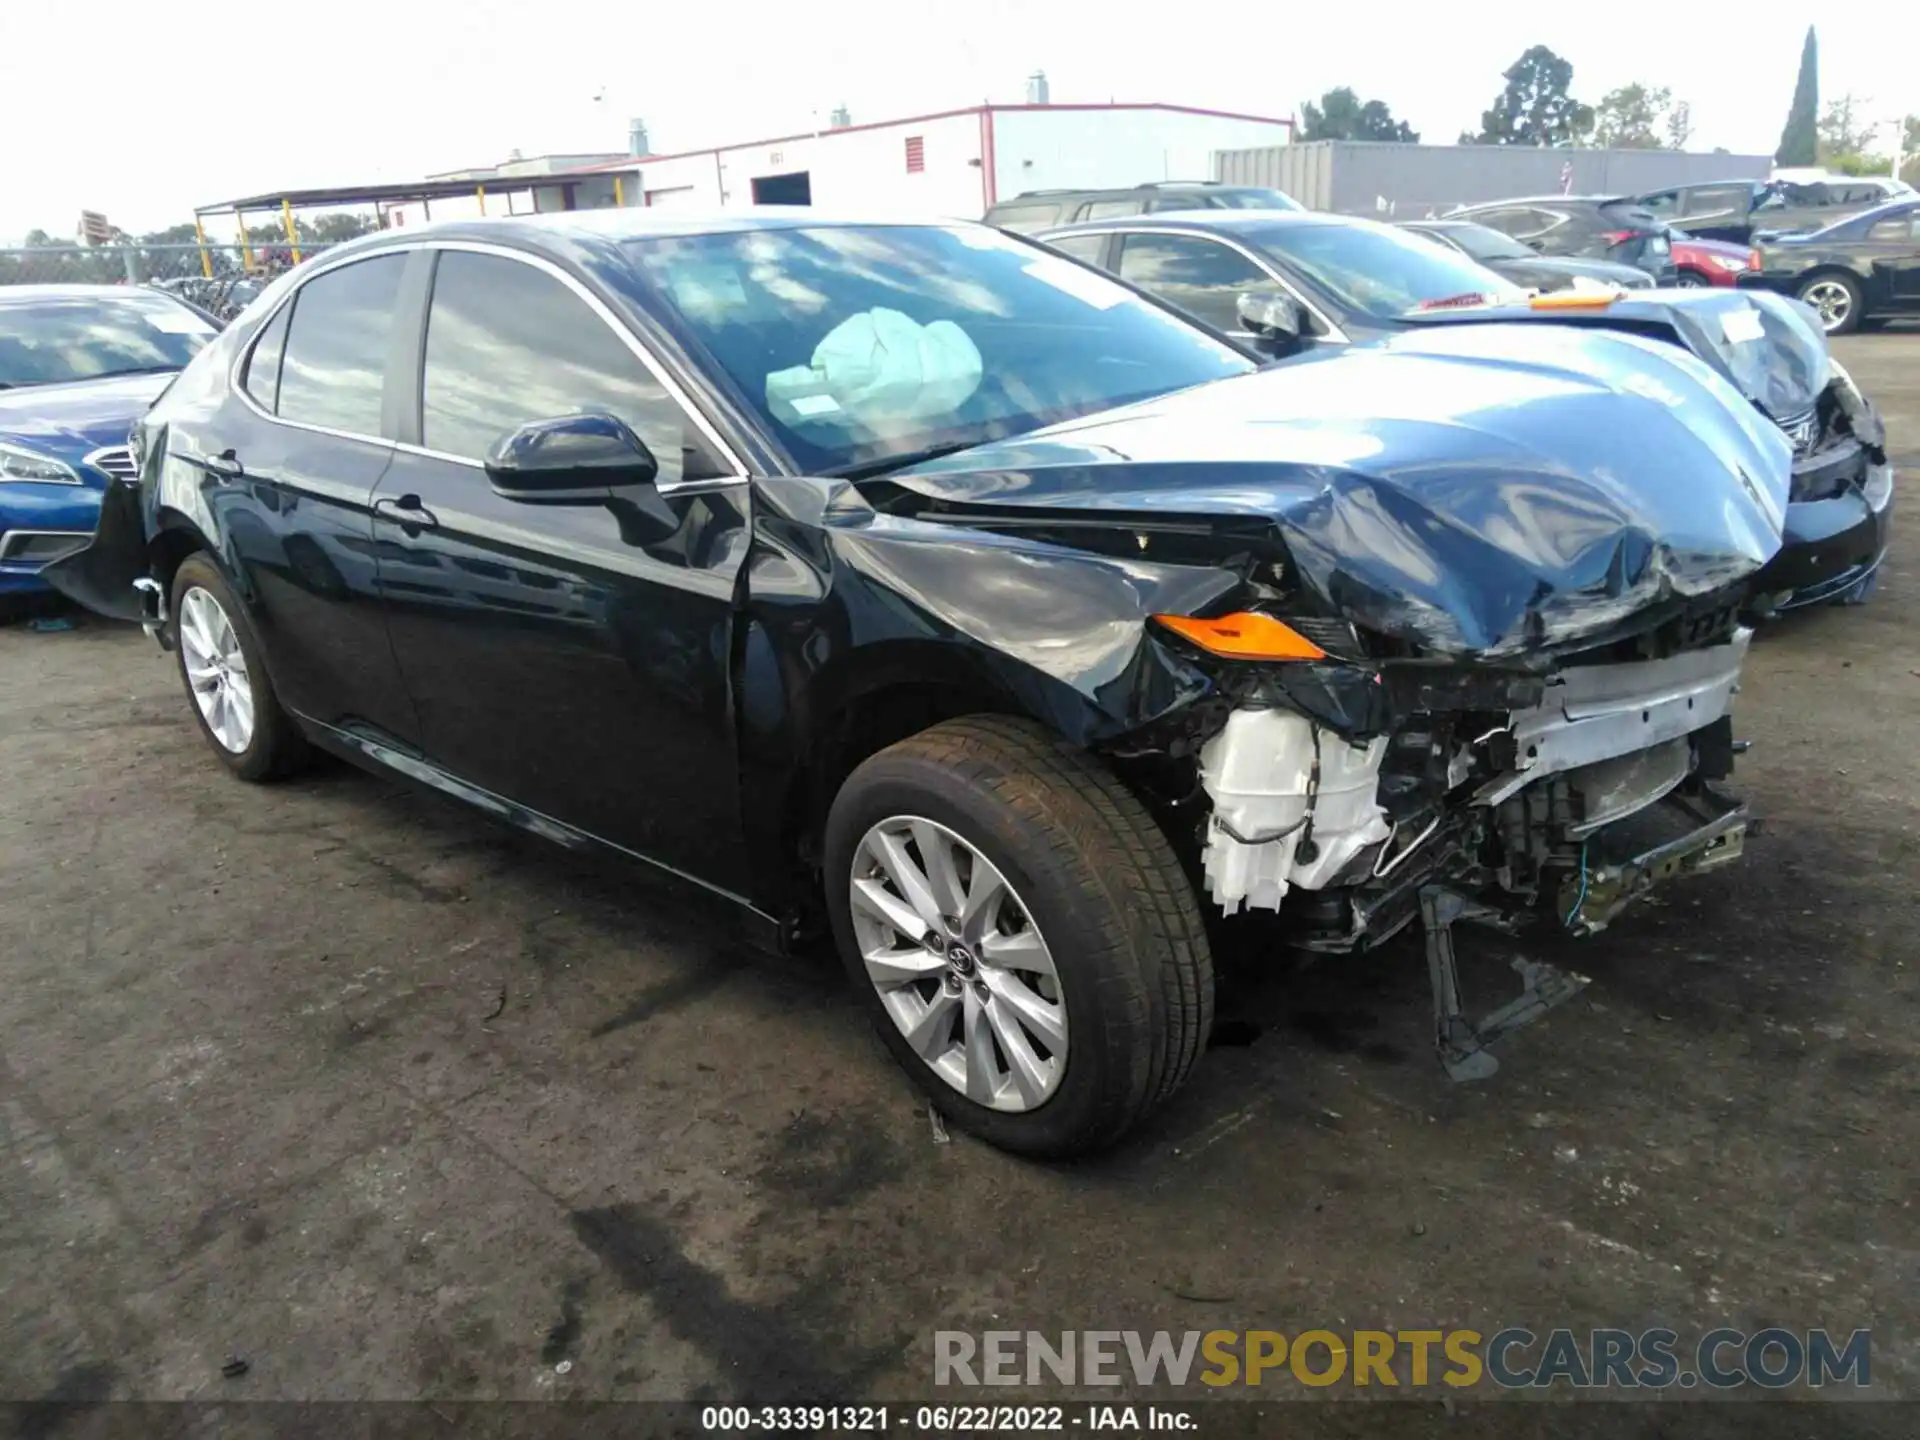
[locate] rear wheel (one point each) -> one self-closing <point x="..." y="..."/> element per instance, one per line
<point x="224" y="671"/>
<point x="1028" y="944"/>
<point x="1837" y="300"/>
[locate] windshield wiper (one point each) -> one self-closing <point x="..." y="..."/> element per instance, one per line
<point x="900" y="462"/>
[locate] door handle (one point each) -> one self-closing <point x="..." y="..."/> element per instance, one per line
<point x="226" y="465"/>
<point x="406" y="511"/>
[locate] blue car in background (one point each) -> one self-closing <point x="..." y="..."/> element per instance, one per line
<point x="78" y="365"/>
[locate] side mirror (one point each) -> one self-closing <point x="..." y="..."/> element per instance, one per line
<point x="1275" y="320"/>
<point x="570" y="460"/>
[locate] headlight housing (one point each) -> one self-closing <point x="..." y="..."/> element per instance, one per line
<point x="19" y="463"/>
<point x="1735" y="263"/>
<point x="1862" y="418"/>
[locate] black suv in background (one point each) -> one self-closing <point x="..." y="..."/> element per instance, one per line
<point x="1035" y="210"/>
<point x="1736" y="209"/>
<point x="1598" y="227"/>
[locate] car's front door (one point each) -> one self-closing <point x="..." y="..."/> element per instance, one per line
<point x="291" y="492"/>
<point x="1203" y="277"/>
<point x="572" y="659"/>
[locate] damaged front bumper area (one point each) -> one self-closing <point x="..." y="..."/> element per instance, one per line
<point x="1511" y="797"/>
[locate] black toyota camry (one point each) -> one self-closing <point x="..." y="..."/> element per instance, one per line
<point x="917" y="586"/>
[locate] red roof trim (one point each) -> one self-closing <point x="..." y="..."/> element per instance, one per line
<point x="638" y="161"/>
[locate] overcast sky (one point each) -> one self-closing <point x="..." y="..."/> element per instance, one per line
<point x="145" y="113"/>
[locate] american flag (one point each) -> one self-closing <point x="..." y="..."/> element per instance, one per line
<point x="1566" y="177"/>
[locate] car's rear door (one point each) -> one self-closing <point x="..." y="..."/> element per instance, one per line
<point x="572" y="659"/>
<point x="1715" y="212"/>
<point x="1892" y="249"/>
<point x="292" y="464"/>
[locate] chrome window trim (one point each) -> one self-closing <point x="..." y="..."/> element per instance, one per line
<point x="1334" y="336"/>
<point x="506" y="252"/>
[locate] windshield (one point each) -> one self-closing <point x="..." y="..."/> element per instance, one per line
<point x="54" y="339"/>
<point x="1254" y="200"/>
<point x="865" y="347"/>
<point x="1483" y="242"/>
<point x="1381" y="271"/>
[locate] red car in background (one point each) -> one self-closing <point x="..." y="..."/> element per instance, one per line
<point x="1707" y="262"/>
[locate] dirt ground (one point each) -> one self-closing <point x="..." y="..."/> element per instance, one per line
<point x="345" y="1082"/>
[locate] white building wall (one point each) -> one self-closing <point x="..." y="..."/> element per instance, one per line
<point x="1063" y="148"/>
<point x="864" y="167"/>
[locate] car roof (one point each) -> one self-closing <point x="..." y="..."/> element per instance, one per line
<point x="1145" y="186"/>
<point x="1547" y="200"/>
<point x="1231" y="220"/>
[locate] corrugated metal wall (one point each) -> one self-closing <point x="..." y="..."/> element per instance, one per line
<point x="1353" y="177"/>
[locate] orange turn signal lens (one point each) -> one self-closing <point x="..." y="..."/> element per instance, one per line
<point x="1245" y="636"/>
<point x="1574" y="300"/>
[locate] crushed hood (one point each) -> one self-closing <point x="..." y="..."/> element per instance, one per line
<point x="1474" y="490"/>
<point x="1769" y="347"/>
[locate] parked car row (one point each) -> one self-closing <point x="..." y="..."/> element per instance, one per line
<point x="1020" y="620"/>
<point x="1850" y="250"/>
<point x="1292" y="283"/>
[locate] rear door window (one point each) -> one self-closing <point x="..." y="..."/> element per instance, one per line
<point x="1024" y="219"/>
<point x="1202" y="277"/>
<point x="334" y="367"/>
<point x="262" y="380"/>
<point x="1103" y="209"/>
<point x="1090" y="248"/>
<point x="1715" y="200"/>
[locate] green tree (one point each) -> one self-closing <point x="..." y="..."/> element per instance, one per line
<point x="338" y="226"/>
<point x="1535" y="108"/>
<point x="1340" y="115"/>
<point x="1800" y="139"/>
<point x="1841" y="131"/>
<point x="1679" y="126"/>
<point x="1910" y="150"/>
<point x="1629" y="118"/>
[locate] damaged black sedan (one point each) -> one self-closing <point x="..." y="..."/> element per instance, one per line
<point x="918" y="584"/>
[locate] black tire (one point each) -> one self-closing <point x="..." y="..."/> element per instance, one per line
<point x="276" y="748"/>
<point x="1856" y="301"/>
<point x="1098" y="879"/>
<point x="1691" y="280"/>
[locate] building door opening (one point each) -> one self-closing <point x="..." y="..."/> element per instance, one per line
<point x="794" y="189"/>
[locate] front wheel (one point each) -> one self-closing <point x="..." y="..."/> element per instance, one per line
<point x="1837" y="300"/>
<point x="1028" y="944"/>
<point x="1691" y="280"/>
<point x="225" y="673"/>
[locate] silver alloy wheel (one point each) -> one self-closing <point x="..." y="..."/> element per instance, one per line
<point x="216" y="669"/>
<point x="1831" y="300"/>
<point x="959" y="964"/>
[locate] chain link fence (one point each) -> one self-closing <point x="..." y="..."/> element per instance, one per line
<point x="219" y="278"/>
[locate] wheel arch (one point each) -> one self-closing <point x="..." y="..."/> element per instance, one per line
<point x="873" y="697"/>
<point x="174" y="538"/>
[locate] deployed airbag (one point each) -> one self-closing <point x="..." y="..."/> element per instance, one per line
<point x="881" y="370"/>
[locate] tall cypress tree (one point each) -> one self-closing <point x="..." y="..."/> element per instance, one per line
<point x="1799" y="141"/>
